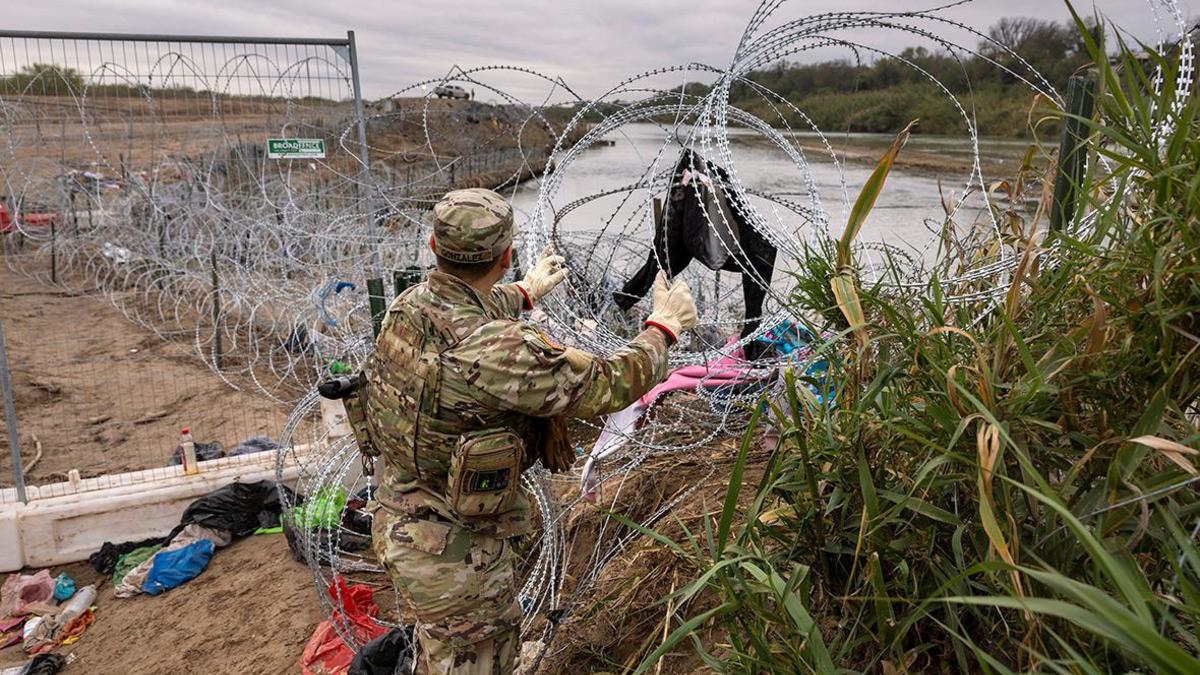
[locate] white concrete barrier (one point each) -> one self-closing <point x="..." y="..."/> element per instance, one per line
<point x="65" y="522"/>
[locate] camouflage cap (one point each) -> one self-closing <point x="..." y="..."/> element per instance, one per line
<point x="471" y="226"/>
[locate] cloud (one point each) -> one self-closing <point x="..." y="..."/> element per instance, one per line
<point x="592" y="45"/>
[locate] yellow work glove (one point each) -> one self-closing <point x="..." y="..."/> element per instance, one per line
<point x="674" y="309"/>
<point x="547" y="273"/>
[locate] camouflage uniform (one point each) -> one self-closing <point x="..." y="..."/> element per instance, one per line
<point x="449" y="361"/>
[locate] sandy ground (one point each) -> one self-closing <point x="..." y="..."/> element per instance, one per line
<point x="111" y="398"/>
<point x="251" y="611"/>
<point x="103" y="395"/>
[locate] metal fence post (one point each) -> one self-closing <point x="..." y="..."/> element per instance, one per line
<point x="1072" y="152"/>
<point x="363" y="157"/>
<point x="377" y="302"/>
<point x="10" y="419"/>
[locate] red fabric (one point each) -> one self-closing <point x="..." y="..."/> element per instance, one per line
<point x="325" y="653"/>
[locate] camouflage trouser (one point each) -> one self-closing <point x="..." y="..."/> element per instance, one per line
<point x="460" y="587"/>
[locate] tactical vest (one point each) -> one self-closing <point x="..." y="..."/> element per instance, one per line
<point x="413" y="424"/>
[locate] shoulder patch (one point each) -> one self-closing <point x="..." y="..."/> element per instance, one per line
<point x="536" y="338"/>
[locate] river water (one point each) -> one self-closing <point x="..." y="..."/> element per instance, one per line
<point x="904" y="215"/>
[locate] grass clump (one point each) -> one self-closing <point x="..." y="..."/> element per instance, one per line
<point x="1003" y="485"/>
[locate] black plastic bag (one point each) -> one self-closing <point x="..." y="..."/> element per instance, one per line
<point x="387" y="654"/>
<point x="324" y="541"/>
<point x="240" y="508"/>
<point x="204" y="453"/>
<point x="253" y="445"/>
<point x="104" y="561"/>
<point x="46" y="664"/>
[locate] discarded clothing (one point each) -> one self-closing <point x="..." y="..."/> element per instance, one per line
<point x="204" y="452"/>
<point x="47" y="633"/>
<point x="104" y="561"/>
<point x="44" y="664"/>
<point x="387" y="654"/>
<point x="176" y="567"/>
<point x="134" y="581"/>
<point x="728" y="371"/>
<point x="253" y="445"/>
<point x="620" y="425"/>
<point x="11" y="631"/>
<point x="70" y="633"/>
<point x="325" y="653"/>
<point x="131" y="584"/>
<point x="705" y="219"/>
<point x="194" y="532"/>
<point x="38" y="635"/>
<point x="130" y="561"/>
<point x="357" y="605"/>
<point x="240" y="508"/>
<point x="24" y="594"/>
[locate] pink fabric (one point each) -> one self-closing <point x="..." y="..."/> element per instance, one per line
<point x="28" y="594"/>
<point x="731" y="369"/>
<point x="726" y="370"/>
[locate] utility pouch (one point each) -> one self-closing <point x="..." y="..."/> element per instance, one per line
<point x="484" y="472"/>
<point x="356" y="415"/>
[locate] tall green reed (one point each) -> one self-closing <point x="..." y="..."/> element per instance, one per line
<point x="1001" y="486"/>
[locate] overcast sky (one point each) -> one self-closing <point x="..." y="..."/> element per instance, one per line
<point x="591" y="44"/>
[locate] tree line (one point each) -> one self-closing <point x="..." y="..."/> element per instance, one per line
<point x="48" y="79"/>
<point x="884" y="95"/>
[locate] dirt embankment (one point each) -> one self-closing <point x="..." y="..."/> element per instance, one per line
<point x="619" y="619"/>
<point x="103" y="395"/>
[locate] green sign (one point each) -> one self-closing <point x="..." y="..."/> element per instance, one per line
<point x="296" y="148"/>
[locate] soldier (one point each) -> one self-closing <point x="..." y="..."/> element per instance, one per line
<point x="460" y="397"/>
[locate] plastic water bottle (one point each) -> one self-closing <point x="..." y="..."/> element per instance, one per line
<point x="189" y="452"/>
<point x="78" y="604"/>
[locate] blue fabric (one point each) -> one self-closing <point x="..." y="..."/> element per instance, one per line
<point x="174" y="568"/>
<point x="787" y="337"/>
<point x="64" y="587"/>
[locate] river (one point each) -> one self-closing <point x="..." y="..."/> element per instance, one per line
<point x="907" y="211"/>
